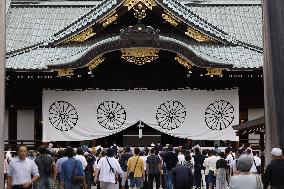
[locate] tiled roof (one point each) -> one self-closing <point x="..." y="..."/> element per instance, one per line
<point x="28" y="25"/>
<point x="242" y="22"/>
<point x="236" y="56"/>
<point x="91" y="17"/>
<point x="41" y="58"/>
<point x="220" y="21"/>
<point x="33" y="24"/>
<point x="222" y="2"/>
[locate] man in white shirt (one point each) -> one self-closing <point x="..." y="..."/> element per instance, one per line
<point x="108" y="168"/>
<point x="256" y="162"/>
<point x="80" y="156"/>
<point x="21" y="169"/>
<point x="210" y="164"/>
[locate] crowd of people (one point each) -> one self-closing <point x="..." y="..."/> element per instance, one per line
<point x="167" y="168"/>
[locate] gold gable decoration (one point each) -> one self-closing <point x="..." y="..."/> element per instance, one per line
<point x="170" y="19"/>
<point x="140" y="56"/>
<point x="95" y="62"/>
<point x="183" y="61"/>
<point x="140" y="11"/>
<point x="109" y="19"/>
<point x="197" y="35"/>
<point x="83" y="36"/>
<point x="215" y="71"/>
<point x="131" y="3"/>
<point x="65" y="72"/>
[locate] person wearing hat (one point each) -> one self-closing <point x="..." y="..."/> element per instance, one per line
<point x="274" y="174"/>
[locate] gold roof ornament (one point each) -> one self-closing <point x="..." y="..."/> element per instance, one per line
<point x="140" y="56"/>
<point x="95" y="62"/>
<point x="65" y="72"/>
<point x="140" y="11"/>
<point x="197" y="35"/>
<point x="82" y="36"/>
<point x="109" y="19"/>
<point x="170" y="19"/>
<point x="183" y="61"/>
<point x="215" y="71"/>
<point x="131" y="3"/>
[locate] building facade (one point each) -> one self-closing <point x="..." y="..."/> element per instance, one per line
<point x="130" y="44"/>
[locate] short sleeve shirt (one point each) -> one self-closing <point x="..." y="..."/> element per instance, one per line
<point x="21" y="170"/>
<point x="153" y="162"/>
<point x="139" y="167"/>
<point x="70" y="167"/>
<point x="42" y="162"/>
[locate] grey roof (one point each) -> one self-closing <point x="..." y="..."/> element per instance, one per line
<point x="41" y="58"/>
<point x="92" y="16"/>
<point x="221" y="2"/>
<point x="29" y="25"/>
<point x="242" y="22"/>
<point x="239" y="23"/>
<point x="217" y="24"/>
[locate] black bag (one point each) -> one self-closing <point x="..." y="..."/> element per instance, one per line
<point x="112" y="170"/>
<point x="131" y="174"/>
<point x="76" y="180"/>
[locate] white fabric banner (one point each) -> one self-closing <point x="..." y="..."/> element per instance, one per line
<point x="92" y="114"/>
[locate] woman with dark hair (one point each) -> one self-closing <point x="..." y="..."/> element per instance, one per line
<point x="108" y="168"/>
<point x="221" y="166"/>
<point x="69" y="168"/>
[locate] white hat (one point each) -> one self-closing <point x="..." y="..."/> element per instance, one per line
<point x="276" y="152"/>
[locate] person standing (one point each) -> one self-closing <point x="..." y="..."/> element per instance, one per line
<point x="221" y="166"/>
<point x="47" y="169"/>
<point x="182" y="177"/>
<point x="216" y="149"/>
<point x="22" y="172"/>
<point x="135" y="164"/>
<point x="170" y="161"/>
<point x="80" y="156"/>
<point x="69" y="168"/>
<point x="245" y="179"/>
<point x="153" y="167"/>
<point x="123" y="164"/>
<point x="108" y="168"/>
<point x="63" y="157"/>
<point x="274" y="173"/>
<point x="198" y="165"/>
<point x="210" y="163"/>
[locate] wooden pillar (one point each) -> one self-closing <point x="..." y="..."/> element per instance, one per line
<point x="2" y="86"/>
<point x="273" y="69"/>
<point x="262" y="155"/>
<point x="12" y="129"/>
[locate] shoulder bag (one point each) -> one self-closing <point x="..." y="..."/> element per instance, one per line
<point x="76" y="180"/>
<point x="112" y="170"/>
<point x="131" y="174"/>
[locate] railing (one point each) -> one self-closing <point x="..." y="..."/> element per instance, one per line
<point x="13" y="144"/>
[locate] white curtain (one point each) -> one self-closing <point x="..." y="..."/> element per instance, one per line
<point x="92" y="114"/>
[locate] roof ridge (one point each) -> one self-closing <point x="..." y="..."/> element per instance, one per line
<point x="222" y="2"/>
<point x="205" y="25"/>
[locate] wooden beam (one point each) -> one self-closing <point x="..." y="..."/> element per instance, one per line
<point x="2" y="86"/>
<point x="273" y="68"/>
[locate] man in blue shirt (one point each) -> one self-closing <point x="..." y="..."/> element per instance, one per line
<point x="69" y="168"/>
